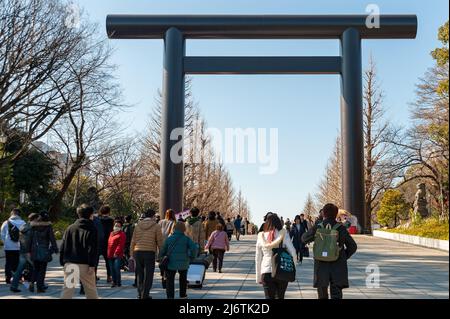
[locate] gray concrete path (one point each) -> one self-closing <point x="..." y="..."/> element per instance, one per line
<point x="406" y="272"/>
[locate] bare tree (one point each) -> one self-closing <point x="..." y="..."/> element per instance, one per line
<point x="309" y="207"/>
<point x="378" y="176"/>
<point x="37" y="50"/>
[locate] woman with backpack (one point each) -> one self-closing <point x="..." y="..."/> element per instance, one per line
<point x="218" y="243"/>
<point x="273" y="236"/>
<point x="42" y="244"/>
<point x="116" y="249"/>
<point x="230" y="228"/>
<point x="167" y="228"/>
<point x="175" y="256"/>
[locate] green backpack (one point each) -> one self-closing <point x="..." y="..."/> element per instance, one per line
<point x="326" y="247"/>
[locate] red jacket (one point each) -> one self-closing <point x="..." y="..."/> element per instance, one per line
<point x="116" y="244"/>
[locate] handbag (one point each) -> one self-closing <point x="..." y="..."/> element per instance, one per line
<point x="283" y="266"/>
<point x="164" y="263"/>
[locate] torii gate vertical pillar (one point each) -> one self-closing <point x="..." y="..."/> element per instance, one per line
<point x="352" y="127"/>
<point x="172" y="123"/>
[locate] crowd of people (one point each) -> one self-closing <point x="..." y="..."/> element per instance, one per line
<point x="120" y="242"/>
<point x="172" y="243"/>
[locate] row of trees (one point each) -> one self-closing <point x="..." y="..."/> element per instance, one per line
<point x="57" y="85"/>
<point x="396" y="157"/>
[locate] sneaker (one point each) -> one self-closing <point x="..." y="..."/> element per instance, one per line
<point x="15" y="290"/>
<point x="220" y="271"/>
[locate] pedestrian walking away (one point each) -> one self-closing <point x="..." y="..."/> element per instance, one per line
<point x="79" y="252"/>
<point x="333" y="246"/>
<point x="218" y="244"/>
<point x="147" y="240"/>
<point x="10" y="233"/>
<point x="273" y="236"/>
<point x="179" y="249"/>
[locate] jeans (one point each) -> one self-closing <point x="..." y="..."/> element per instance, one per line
<point x="336" y="292"/>
<point x="11" y="263"/>
<point x="114" y="266"/>
<point x="218" y="258"/>
<point x="274" y="289"/>
<point x="18" y="274"/>
<point x="145" y="270"/>
<point x="170" y="284"/>
<point x="39" y="271"/>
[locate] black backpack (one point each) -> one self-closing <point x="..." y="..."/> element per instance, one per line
<point x="14" y="232"/>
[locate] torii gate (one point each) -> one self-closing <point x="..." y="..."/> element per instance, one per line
<point x="349" y="29"/>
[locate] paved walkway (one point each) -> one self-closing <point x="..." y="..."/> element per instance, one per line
<point x="407" y="271"/>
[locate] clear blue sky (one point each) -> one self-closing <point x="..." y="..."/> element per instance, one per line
<point x="305" y="109"/>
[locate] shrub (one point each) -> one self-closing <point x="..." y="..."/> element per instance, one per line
<point x="429" y="228"/>
<point x="393" y="208"/>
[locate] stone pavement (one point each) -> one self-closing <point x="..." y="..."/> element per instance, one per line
<point x="406" y="272"/>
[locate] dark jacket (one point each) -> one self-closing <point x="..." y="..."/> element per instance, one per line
<point x="41" y="241"/>
<point x="107" y="225"/>
<point x="100" y="233"/>
<point x="296" y="235"/>
<point x="184" y="249"/>
<point x="337" y="271"/>
<point x="25" y="232"/>
<point x="128" y="229"/>
<point x="80" y="244"/>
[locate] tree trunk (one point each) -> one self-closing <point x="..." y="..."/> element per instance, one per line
<point x="55" y="205"/>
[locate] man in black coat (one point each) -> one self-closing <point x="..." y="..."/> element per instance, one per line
<point x="333" y="274"/>
<point x="79" y="254"/>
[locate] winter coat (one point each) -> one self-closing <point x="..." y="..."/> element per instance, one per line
<point x="263" y="257"/>
<point x="184" y="249"/>
<point x="210" y="227"/>
<point x="337" y="271"/>
<point x="100" y="233"/>
<point x="128" y="229"/>
<point x="218" y="240"/>
<point x="147" y="236"/>
<point x="107" y="226"/>
<point x="116" y="244"/>
<point x="195" y="231"/>
<point x="80" y="244"/>
<point x="296" y="235"/>
<point x="41" y="242"/>
<point x="167" y="227"/>
<point x="8" y="243"/>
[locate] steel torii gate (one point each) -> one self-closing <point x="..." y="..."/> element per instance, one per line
<point x="349" y="29"/>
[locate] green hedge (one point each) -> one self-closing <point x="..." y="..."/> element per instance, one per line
<point x="429" y="228"/>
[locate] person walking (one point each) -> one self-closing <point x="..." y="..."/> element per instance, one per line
<point x="107" y="225"/>
<point x="221" y="220"/>
<point x="79" y="254"/>
<point x="168" y="223"/>
<point x="147" y="239"/>
<point x="10" y="233"/>
<point x="210" y="224"/>
<point x="180" y="249"/>
<point x="24" y="259"/>
<point x="273" y="236"/>
<point x="229" y="226"/>
<point x="41" y="246"/>
<point x="195" y="229"/>
<point x="116" y="247"/>
<point x="167" y="228"/>
<point x="333" y="274"/>
<point x="288" y="225"/>
<point x="237" y="226"/>
<point x="218" y="243"/>
<point x="128" y="229"/>
<point x="298" y="229"/>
